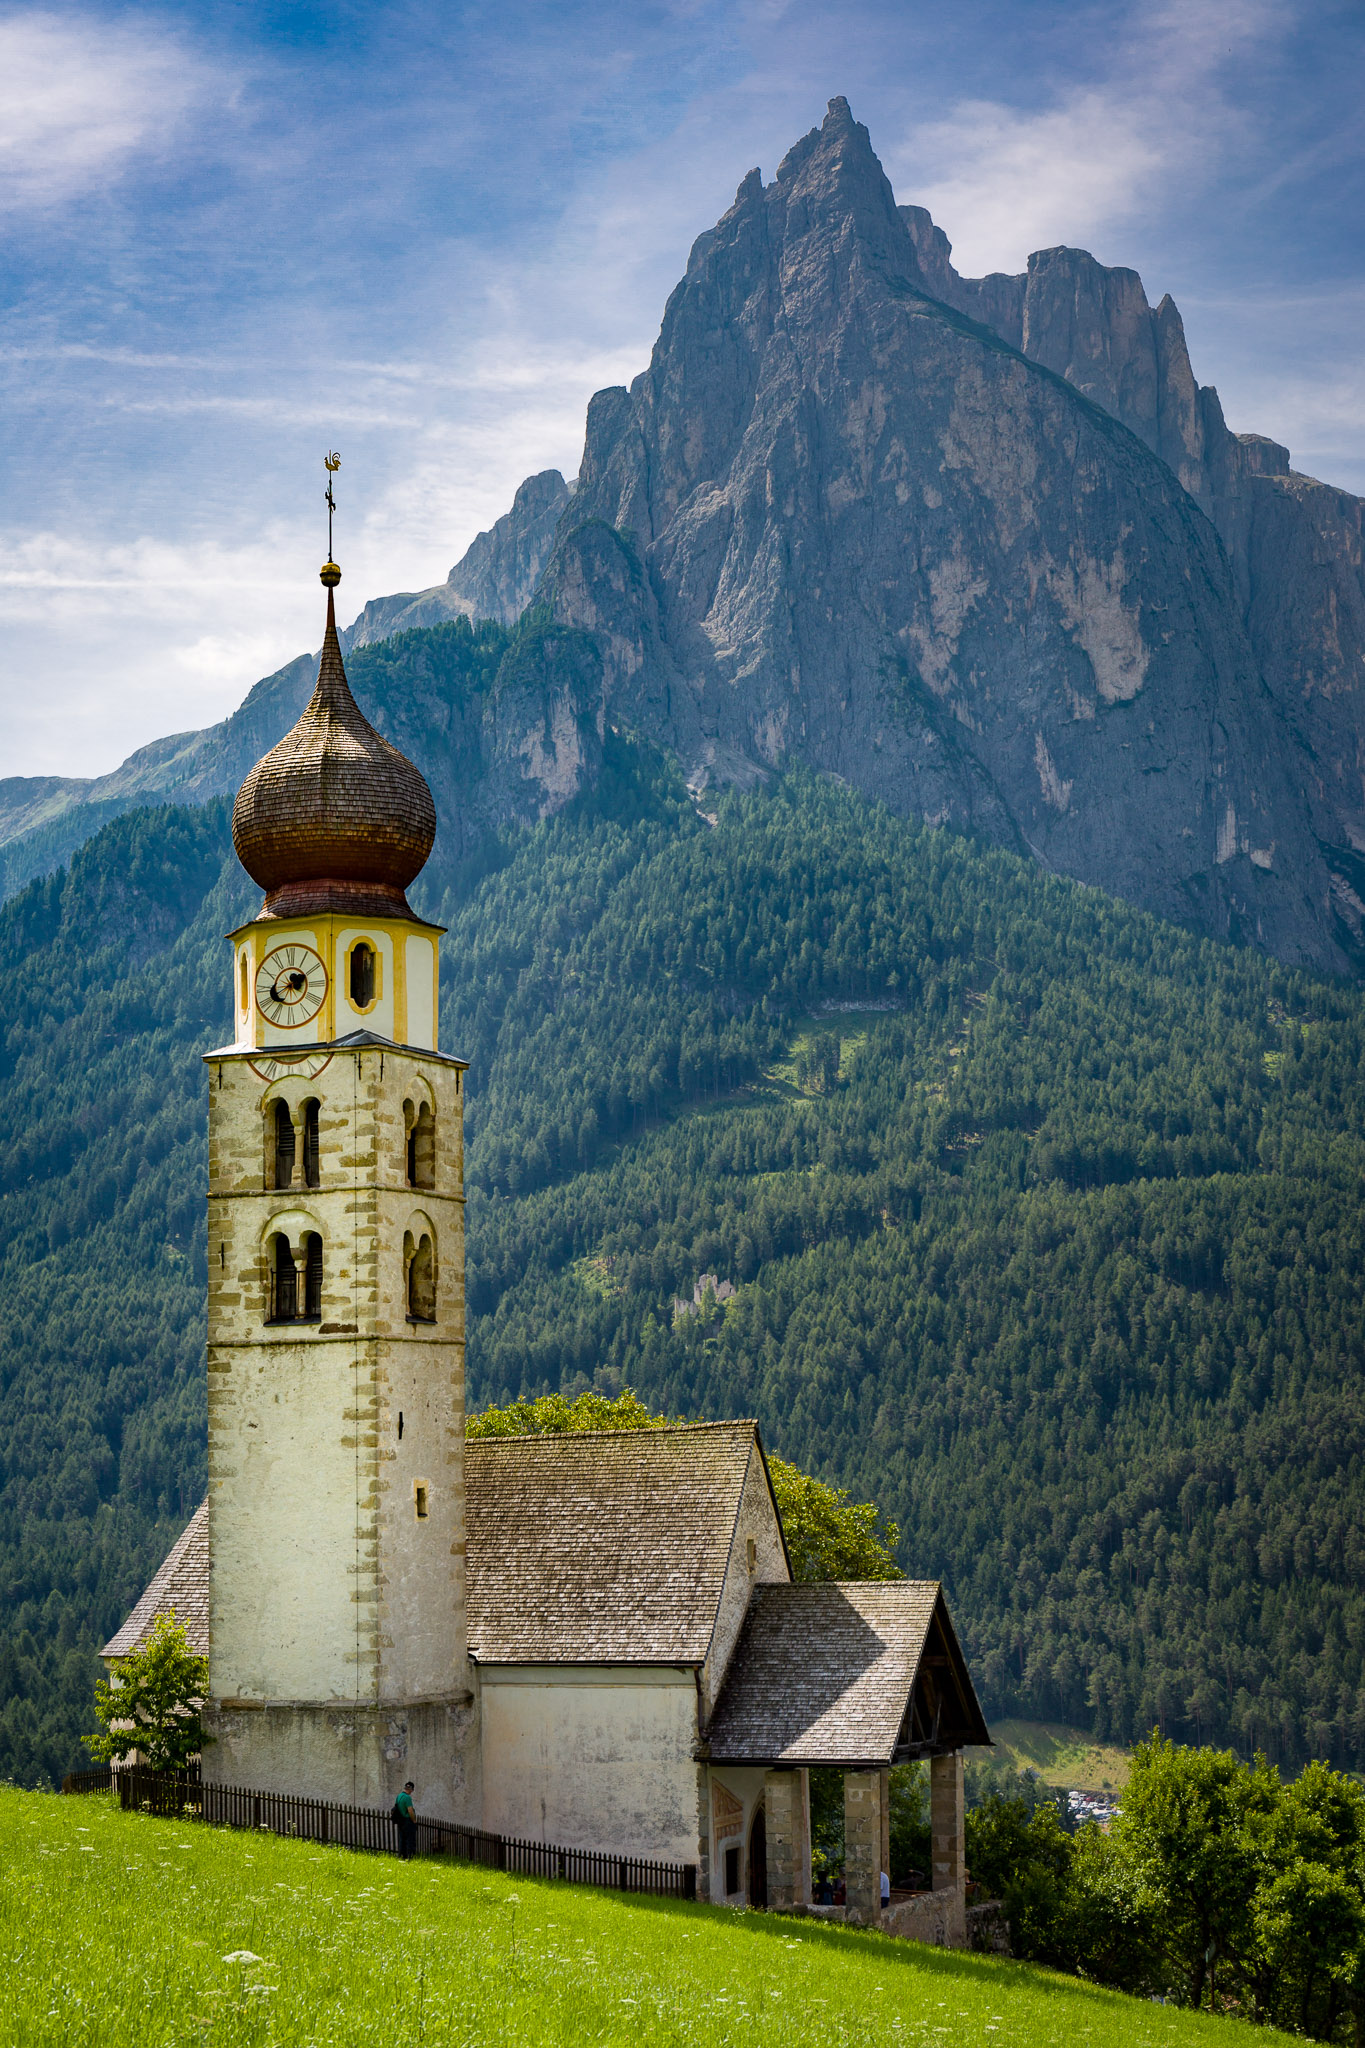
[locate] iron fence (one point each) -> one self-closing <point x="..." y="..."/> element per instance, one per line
<point x="167" y="1793"/>
<point x="547" y="1859"/>
<point x="101" y="1780"/>
<point x="181" y="1795"/>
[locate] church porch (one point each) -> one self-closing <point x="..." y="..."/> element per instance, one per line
<point x="859" y="1677"/>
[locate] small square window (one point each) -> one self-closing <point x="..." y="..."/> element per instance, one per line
<point x="419" y="1495"/>
<point x="732" y="1871"/>
<point x="751" y="1554"/>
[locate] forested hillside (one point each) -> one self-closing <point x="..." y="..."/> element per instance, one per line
<point x="1043" y="1219"/>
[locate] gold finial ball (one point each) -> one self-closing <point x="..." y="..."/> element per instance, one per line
<point x="331" y="575"/>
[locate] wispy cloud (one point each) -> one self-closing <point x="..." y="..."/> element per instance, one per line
<point x="1098" y="152"/>
<point x="429" y="239"/>
<point x="164" y="653"/>
<point x="81" y="95"/>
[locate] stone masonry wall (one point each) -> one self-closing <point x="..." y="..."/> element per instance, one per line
<point x="328" y="1587"/>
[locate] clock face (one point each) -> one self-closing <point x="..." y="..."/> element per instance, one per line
<point x="305" y="1065"/>
<point x="291" y="986"/>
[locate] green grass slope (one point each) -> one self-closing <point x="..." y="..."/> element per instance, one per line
<point x="1068" y="1758"/>
<point x="1059" y="1259"/>
<point x="117" y="1931"/>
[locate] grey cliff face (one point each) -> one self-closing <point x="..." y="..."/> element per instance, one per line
<point x="1294" y="545"/>
<point x="494" y="579"/>
<point x="837" y="521"/>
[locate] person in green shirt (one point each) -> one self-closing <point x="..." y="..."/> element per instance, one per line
<point x="405" y="1815"/>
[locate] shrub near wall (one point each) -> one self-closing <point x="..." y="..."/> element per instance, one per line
<point x="1219" y="1887"/>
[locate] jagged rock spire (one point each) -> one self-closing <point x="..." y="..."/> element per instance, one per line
<point x="333" y="817"/>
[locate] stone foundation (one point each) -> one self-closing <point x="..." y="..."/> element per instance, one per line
<point x="988" y="1931"/>
<point x="938" y="1917"/>
<point x="351" y="1755"/>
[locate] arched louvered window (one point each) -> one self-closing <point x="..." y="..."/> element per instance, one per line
<point x="312" y="1277"/>
<point x="420" y="1260"/>
<point x="283" y="1147"/>
<point x="295" y="1279"/>
<point x="284" y="1281"/>
<point x="421" y="1147"/>
<point x="310" y="1143"/>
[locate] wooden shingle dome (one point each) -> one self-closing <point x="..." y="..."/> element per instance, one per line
<point x="334" y="817"/>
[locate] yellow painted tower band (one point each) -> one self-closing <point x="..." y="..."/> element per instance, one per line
<point x="402" y="1005"/>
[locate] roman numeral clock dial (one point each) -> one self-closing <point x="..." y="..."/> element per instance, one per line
<point x="291" y="986"/>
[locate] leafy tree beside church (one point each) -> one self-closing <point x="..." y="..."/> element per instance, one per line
<point x="829" y="1536"/>
<point x="150" y="1702"/>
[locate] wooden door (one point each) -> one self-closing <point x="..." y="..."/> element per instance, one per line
<point x="758" y="1861"/>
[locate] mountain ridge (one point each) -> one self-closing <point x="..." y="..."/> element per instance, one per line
<point x="1023" y="632"/>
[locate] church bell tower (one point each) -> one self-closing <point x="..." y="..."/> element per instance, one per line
<point x="336" y="1293"/>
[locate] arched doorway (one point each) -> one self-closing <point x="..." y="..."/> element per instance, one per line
<point x="758" y="1861"/>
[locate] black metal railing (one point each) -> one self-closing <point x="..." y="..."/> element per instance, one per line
<point x="547" y="1859"/>
<point x="165" y="1793"/>
<point x="101" y="1780"/>
<point x="181" y="1795"/>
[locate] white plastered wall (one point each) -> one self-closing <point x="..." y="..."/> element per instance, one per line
<point x="421" y="990"/>
<point x="592" y="1757"/>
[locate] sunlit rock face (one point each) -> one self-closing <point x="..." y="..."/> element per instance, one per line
<point x="493" y="579"/>
<point x="954" y="541"/>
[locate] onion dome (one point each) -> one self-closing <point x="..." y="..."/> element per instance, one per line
<point x="334" y="818"/>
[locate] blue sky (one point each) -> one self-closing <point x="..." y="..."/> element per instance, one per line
<point x="237" y="234"/>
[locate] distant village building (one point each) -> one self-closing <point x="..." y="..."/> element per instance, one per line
<point x="590" y="1639"/>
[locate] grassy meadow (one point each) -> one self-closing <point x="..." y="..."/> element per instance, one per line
<point x="1069" y="1758"/>
<point x="128" y="1932"/>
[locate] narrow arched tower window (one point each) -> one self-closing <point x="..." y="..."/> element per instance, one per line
<point x="362" y="976"/>
<point x="310" y="1143"/>
<point x="284" y="1146"/>
<point x="284" y="1281"/>
<point x="312" y="1277"/>
<point x="421" y="1266"/>
<point x="422" y="1148"/>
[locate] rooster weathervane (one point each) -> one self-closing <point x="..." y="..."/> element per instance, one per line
<point x="332" y="463"/>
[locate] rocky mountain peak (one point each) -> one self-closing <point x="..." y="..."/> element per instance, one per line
<point x="965" y="565"/>
<point x="982" y="547"/>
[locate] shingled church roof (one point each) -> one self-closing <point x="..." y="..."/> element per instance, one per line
<point x="612" y="1548"/>
<point x="181" y="1585"/>
<point x="852" y="1674"/>
<point x="588" y="1548"/>
<point x="607" y="1547"/>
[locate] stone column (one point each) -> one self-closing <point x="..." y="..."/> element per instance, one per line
<point x="788" y="1814"/>
<point x="946" y="1823"/>
<point x="803" y="1876"/>
<point x="885" y="1863"/>
<point x="782" y="1805"/>
<point x="862" y="1846"/>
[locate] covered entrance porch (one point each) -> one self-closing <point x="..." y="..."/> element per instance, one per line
<point x="860" y="1677"/>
